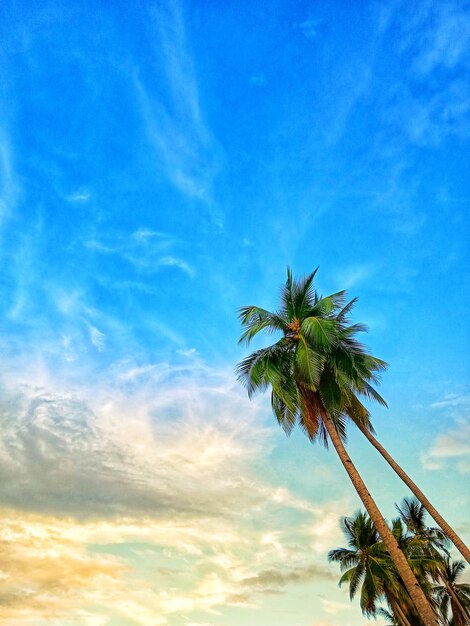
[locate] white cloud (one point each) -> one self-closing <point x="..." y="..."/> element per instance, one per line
<point x="146" y="250"/>
<point x="79" y="196"/>
<point x="171" y="261"/>
<point x="355" y="274"/>
<point x="175" y="123"/>
<point x="453" y="445"/>
<point x="445" y="40"/>
<point x="436" y="38"/>
<point x="452" y="400"/>
<point x="160" y="468"/>
<point x="97" y="338"/>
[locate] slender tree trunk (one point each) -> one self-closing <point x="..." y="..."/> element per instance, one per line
<point x="459" y="613"/>
<point x="401" y="616"/>
<point x="423" y="607"/>
<point x="449" y="531"/>
<point x="397" y="610"/>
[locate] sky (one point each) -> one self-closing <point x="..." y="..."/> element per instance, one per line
<point x="161" y="163"/>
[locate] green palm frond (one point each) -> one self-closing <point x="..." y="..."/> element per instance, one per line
<point x="255" y="319"/>
<point x="369" y="392"/>
<point x="358" y="574"/>
<point x="331" y="392"/>
<point x="303" y="295"/>
<point x="321" y="333"/>
<point x="287" y="295"/>
<point x="262" y="368"/>
<point x="286" y="413"/>
<point x="344" y="313"/>
<point x="308" y="363"/>
<point x="346" y="558"/>
<point x="357" y="412"/>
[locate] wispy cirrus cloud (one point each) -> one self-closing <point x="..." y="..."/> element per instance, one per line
<point x="175" y="122"/>
<point x="435" y="39"/>
<point x="146" y="250"/>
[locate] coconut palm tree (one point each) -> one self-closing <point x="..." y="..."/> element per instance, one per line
<point x="452" y="596"/>
<point x="422" y="538"/>
<point x="425" y="561"/>
<point x="316" y="371"/>
<point x="366" y="565"/>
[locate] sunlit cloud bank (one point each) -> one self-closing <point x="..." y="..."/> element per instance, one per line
<point x="141" y="499"/>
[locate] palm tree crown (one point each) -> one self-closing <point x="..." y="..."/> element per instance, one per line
<point x="365" y="563"/>
<point x="317" y="366"/>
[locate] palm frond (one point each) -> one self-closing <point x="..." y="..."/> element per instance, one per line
<point x="343" y="314"/>
<point x="286" y="415"/>
<point x="303" y="295"/>
<point x="262" y="368"/>
<point x="345" y="557"/>
<point x="309" y="364"/>
<point x="321" y="333"/>
<point x="255" y="319"/>
<point x="328" y="305"/>
<point x="287" y="295"/>
<point x="369" y="392"/>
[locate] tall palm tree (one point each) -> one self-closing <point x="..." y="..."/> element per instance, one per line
<point x="316" y="371"/>
<point x="451" y="595"/>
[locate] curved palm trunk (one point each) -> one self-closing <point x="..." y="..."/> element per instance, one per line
<point x="423" y="607"/>
<point x="449" y="531"/>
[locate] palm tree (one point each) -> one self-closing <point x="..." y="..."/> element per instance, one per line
<point x="425" y="561"/>
<point x="452" y="595"/>
<point x="422" y="538"/>
<point x="366" y="564"/>
<point x="433" y="512"/>
<point x="316" y="371"/>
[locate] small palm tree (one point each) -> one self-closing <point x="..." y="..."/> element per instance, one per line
<point x="365" y="563"/>
<point x="368" y="568"/>
<point x="316" y="371"/>
<point x="429" y="541"/>
<point x="424" y="560"/>
<point x="453" y="597"/>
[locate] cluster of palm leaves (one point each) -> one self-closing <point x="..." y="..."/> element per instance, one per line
<point x="319" y="374"/>
<point x="370" y="573"/>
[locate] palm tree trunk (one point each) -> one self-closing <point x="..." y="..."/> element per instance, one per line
<point x="400" y="615"/>
<point x="423" y="607"/>
<point x="459" y="613"/>
<point x="397" y="611"/>
<point x="449" y="531"/>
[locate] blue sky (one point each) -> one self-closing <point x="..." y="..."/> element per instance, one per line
<point x="161" y="163"/>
